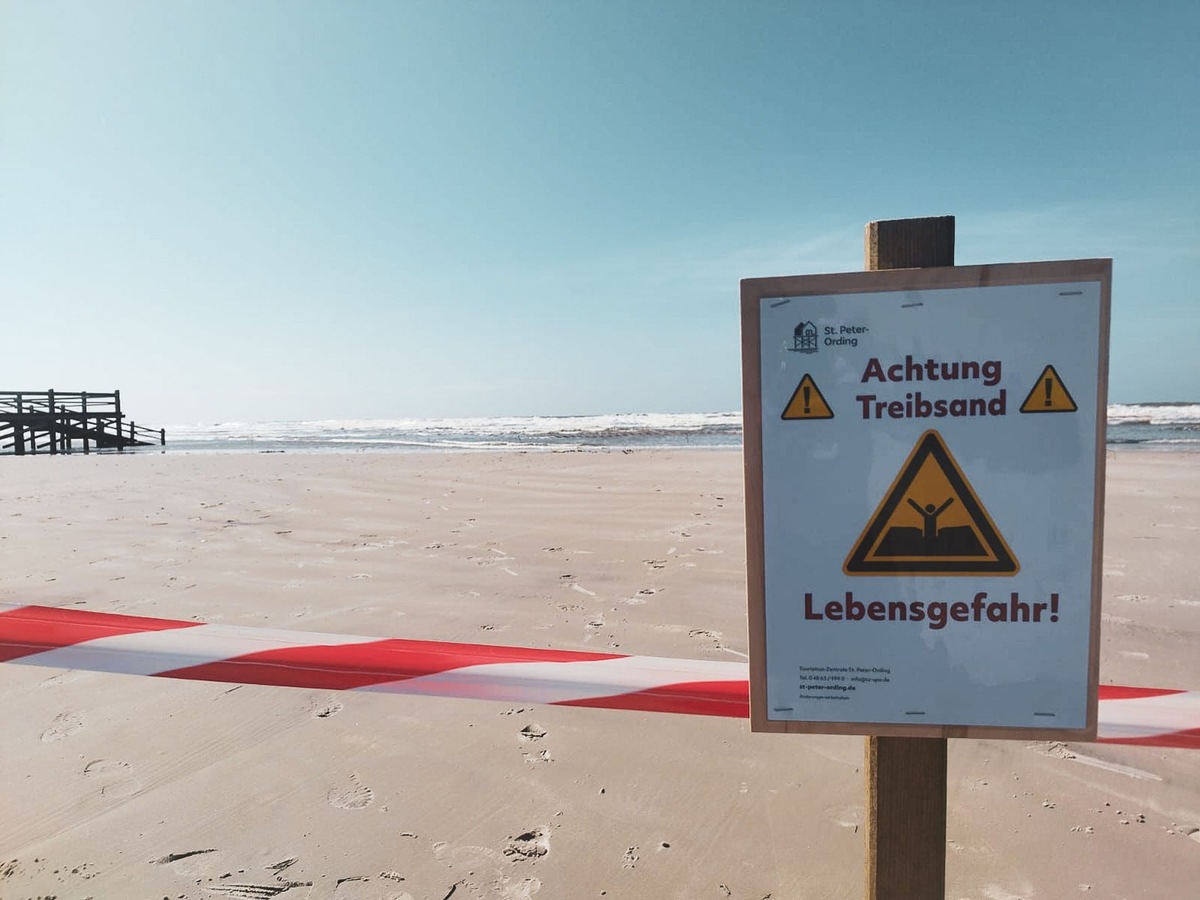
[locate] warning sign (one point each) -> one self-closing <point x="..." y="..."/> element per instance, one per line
<point x="1049" y="394"/>
<point x="930" y="523"/>
<point x="924" y="560"/>
<point x="807" y="402"/>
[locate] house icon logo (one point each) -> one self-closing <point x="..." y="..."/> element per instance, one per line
<point x="804" y="338"/>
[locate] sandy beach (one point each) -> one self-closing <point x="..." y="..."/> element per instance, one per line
<point x="132" y="787"/>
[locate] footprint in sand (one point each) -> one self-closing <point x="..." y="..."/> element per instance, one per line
<point x="176" y="857"/>
<point x="64" y="725"/>
<point x="704" y="634"/>
<point x="356" y="796"/>
<point x="529" y="734"/>
<point x="116" y="778"/>
<point x="468" y="857"/>
<point x="326" y="709"/>
<point x="64" y="678"/>
<point x="640" y="598"/>
<point x="530" y="845"/>
<point x="632" y="855"/>
<point x="488" y="870"/>
<point x="523" y="890"/>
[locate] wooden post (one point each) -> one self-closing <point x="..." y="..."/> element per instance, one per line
<point x="120" y="436"/>
<point x="51" y="422"/>
<point x="87" y="444"/>
<point x="906" y="777"/>
<point x="19" y="428"/>
<point x="910" y="243"/>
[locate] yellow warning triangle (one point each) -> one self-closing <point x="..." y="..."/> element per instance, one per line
<point x="1049" y="394"/>
<point x="807" y="402"/>
<point x="930" y="522"/>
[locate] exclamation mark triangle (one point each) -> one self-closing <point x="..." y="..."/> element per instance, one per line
<point x="807" y="402"/>
<point x="1049" y="394"/>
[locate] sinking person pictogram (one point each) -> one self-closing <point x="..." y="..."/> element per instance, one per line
<point x="807" y="402"/>
<point x="930" y="522"/>
<point x="1049" y="395"/>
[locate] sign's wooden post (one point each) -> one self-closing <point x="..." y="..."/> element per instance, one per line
<point x="906" y="818"/>
<point x="906" y="777"/>
<point x="1003" y="641"/>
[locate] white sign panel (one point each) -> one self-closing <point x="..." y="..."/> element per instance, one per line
<point x="929" y="459"/>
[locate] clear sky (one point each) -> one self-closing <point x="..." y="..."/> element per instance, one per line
<point x="298" y="210"/>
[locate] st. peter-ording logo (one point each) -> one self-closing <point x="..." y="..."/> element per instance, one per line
<point x="804" y="338"/>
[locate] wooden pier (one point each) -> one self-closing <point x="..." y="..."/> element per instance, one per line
<point x="59" y="421"/>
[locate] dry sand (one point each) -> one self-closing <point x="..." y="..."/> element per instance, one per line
<point x="129" y="787"/>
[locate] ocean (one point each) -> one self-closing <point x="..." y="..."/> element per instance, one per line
<point x="1143" y="426"/>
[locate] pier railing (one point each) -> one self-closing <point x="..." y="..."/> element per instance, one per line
<point x="56" y="421"/>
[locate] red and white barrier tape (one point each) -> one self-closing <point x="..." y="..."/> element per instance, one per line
<point x="167" y="648"/>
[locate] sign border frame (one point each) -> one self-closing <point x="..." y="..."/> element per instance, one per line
<point x="753" y="292"/>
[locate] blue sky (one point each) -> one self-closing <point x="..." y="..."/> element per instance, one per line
<point x="260" y="211"/>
